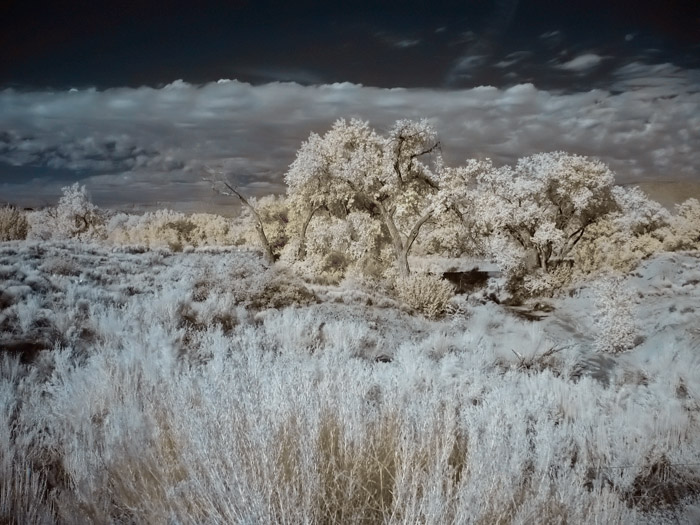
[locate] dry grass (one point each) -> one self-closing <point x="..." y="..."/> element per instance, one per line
<point x="186" y="406"/>
<point x="13" y="224"/>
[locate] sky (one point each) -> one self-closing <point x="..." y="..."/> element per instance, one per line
<point x="133" y="98"/>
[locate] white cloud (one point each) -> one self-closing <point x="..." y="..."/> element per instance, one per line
<point x="407" y="42"/>
<point x="397" y="41"/>
<point x="550" y="34"/>
<point x="582" y="63"/>
<point x="513" y="58"/>
<point x="656" y="81"/>
<point x="646" y="128"/>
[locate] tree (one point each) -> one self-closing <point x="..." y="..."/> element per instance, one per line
<point x="623" y="237"/>
<point x="316" y="180"/>
<point x="221" y="185"/>
<point x="546" y="203"/>
<point x="399" y="180"/>
<point x="74" y="217"/>
<point x="684" y="229"/>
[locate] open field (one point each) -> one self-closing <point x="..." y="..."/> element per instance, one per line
<point x="208" y="387"/>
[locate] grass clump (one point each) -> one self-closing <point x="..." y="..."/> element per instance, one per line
<point x="13" y="224"/>
<point x="425" y="293"/>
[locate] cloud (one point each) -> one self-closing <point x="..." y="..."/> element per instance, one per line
<point x="513" y="58"/>
<point x="407" y="42"/>
<point x="478" y="52"/>
<point x="145" y="145"/>
<point x="655" y="81"/>
<point x="582" y="63"/>
<point x="550" y="34"/>
<point x="396" y="41"/>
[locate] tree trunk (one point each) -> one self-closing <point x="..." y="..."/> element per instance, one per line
<point x="400" y="251"/>
<point x="267" y="251"/>
<point x="301" y="255"/>
<point x="416" y="229"/>
<point x="401" y="248"/>
<point x="259" y="228"/>
<point x="402" y="264"/>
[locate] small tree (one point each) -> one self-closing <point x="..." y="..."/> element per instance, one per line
<point x="222" y="186"/>
<point x="74" y="217"/>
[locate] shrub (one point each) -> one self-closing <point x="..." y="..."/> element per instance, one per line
<point x="685" y="227"/>
<point x="74" y="217"/>
<point x="173" y="229"/>
<point x="617" y="330"/>
<point x="426" y="293"/>
<point x="623" y="238"/>
<point x="13" y="224"/>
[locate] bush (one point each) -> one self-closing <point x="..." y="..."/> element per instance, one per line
<point x="74" y="217"/>
<point x="172" y="229"/>
<point x="13" y="224"/>
<point x="685" y="227"/>
<point x="425" y="293"/>
<point x="623" y="238"/>
<point x="617" y="331"/>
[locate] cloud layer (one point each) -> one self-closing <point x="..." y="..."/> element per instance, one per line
<point x="144" y="145"/>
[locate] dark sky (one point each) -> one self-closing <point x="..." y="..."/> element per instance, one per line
<point x="125" y="96"/>
<point x="387" y="43"/>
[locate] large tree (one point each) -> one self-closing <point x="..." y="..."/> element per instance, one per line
<point x="399" y="179"/>
<point x="545" y="204"/>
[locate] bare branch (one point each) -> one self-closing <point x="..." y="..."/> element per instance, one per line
<point x="259" y="227"/>
<point x="416" y="228"/>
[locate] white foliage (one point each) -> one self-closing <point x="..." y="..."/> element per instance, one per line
<point x="685" y="227"/>
<point x="544" y="205"/>
<point x="638" y="214"/>
<point x="163" y="411"/>
<point x="428" y="294"/>
<point x="399" y="180"/>
<point x="73" y="217"/>
<point x="637" y="229"/>
<point x="615" y="318"/>
<point x="172" y="229"/>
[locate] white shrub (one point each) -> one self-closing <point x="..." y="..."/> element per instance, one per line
<point x="617" y="331"/>
<point x="684" y="229"/>
<point x="426" y="293"/>
<point x="170" y="385"/>
<point x="546" y="284"/>
<point x="74" y="217"/>
<point x="172" y="229"/>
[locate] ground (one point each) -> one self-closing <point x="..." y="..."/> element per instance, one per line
<point x="209" y="387"/>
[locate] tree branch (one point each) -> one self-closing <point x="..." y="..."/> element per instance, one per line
<point x="411" y="237"/>
<point x="259" y="227"/>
